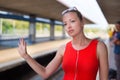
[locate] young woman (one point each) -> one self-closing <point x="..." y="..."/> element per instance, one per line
<point x="80" y="58"/>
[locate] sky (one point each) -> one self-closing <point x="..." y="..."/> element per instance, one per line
<point x="89" y="9"/>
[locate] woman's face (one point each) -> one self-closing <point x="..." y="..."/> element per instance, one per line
<point x="72" y="24"/>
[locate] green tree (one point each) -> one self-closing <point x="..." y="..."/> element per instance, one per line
<point x="7" y="26"/>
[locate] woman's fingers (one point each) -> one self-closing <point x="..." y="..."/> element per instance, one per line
<point x="22" y="42"/>
<point x="22" y="45"/>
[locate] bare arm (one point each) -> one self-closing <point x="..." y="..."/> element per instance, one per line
<point x="103" y="61"/>
<point x="44" y="72"/>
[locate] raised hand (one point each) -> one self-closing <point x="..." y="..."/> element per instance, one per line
<point x="22" y="48"/>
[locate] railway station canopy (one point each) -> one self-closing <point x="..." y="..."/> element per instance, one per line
<point x="52" y="9"/>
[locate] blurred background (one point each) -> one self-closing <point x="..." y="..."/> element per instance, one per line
<point x="39" y="23"/>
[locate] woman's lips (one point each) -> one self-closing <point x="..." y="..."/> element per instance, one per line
<point x="70" y="31"/>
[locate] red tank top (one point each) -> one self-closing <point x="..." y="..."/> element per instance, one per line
<point x="80" y="64"/>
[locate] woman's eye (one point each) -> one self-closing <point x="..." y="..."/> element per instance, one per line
<point x="72" y="20"/>
<point x="64" y="24"/>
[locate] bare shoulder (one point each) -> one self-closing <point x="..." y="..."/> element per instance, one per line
<point x="101" y="49"/>
<point x="61" y="49"/>
<point x="101" y="45"/>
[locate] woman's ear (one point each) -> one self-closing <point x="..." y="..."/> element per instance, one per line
<point x="83" y="22"/>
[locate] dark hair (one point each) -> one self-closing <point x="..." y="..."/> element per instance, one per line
<point x="118" y="22"/>
<point x="73" y="9"/>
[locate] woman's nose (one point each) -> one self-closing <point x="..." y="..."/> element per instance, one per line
<point x="69" y="26"/>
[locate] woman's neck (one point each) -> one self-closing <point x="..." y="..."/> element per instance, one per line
<point x="79" y="39"/>
<point x="79" y="42"/>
